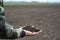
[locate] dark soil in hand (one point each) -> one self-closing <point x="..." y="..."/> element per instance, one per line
<point x="30" y="28"/>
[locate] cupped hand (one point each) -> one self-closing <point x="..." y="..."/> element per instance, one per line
<point x="29" y="33"/>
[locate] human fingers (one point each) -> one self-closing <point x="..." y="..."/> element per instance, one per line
<point x="37" y="32"/>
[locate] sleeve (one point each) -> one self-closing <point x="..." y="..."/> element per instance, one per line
<point x="14" y="33"/>
<point x="10" y="31"/>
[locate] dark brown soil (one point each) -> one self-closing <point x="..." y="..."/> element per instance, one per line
<point x="45" y="17"/>
<point x="30" y="28"/>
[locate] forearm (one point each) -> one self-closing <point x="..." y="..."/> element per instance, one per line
<point x="14" y="33"/>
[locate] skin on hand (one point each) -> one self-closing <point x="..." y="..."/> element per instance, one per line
<point x="29" y="33"/>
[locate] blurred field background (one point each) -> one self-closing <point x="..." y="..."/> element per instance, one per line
<point x="45" y="16"/>
<point x="10" y="3"/>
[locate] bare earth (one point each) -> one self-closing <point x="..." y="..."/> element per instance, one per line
<point x="45" y="17"/>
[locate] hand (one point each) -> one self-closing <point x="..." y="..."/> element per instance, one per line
<point x="29" y="33"/>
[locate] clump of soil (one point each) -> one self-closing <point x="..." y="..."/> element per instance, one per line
<point x="30" y="28"/>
